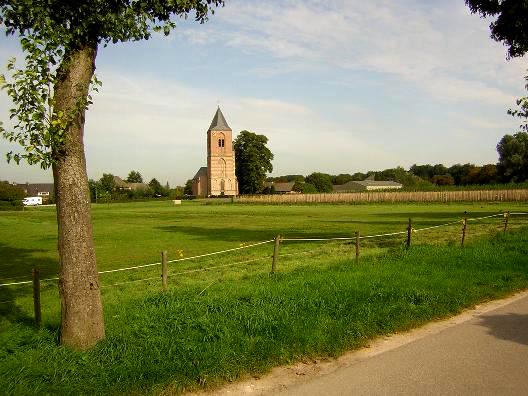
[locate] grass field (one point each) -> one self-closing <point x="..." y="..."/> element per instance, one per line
<point x="218" y="325"/>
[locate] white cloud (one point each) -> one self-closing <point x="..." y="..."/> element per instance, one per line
<point x="442" y="49"/>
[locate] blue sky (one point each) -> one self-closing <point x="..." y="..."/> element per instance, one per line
<point x="337" y="86"/>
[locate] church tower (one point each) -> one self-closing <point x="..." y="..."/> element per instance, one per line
<point x="221" y="178"/>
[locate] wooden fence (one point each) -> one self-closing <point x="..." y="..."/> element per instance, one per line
<point x="392" y="196"/>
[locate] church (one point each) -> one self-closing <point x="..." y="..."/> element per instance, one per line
<point x="218" y="178"/>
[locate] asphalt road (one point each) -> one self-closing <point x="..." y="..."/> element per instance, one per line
<point x="486" y="355"/>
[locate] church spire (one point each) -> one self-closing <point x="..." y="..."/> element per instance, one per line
<point x="219" y="123"/>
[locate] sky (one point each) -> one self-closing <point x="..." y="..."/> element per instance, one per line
<point x="337" y="86"/>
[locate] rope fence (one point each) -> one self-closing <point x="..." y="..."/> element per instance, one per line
<point x="275" y="257"/>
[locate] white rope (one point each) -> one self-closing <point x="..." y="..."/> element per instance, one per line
<point x="26" y="282"/>
<point x="184" y="259"/>
<point x="315" y="239"/>
<point x="132" y="281"/>
<point x="218" y="266"/>
<point x="487" y="217"/>
<point x="382" y="235"/>
<point x="15" y="283"/>
<point x="436" y="226"/>
<point x="187" y="272"/>
<point x="208" y="286"/>
<point x="129" y="268"/>
<point x="219" y="252"/>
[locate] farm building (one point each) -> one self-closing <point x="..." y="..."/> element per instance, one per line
<point x="218" y="178"/>
<point x="281" y="188"/>
<point x="368" y="184"/>
<point x="44" y="190"/>
<point x="125" y="186"/>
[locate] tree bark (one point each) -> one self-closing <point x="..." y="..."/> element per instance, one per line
<point x="82" y="322"/>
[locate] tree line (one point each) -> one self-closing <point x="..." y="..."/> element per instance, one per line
<point x="107" y="189"/>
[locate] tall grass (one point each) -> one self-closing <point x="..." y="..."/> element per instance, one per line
<point x="242" y="320"/>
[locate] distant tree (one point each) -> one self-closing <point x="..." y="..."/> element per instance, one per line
<point x="108" y="183"/>
<point x="134" y="177"/>
<point x="285" y="178"/>
<point x="187" y="189"/>
<point x="11" y="193"/>
<point x="439" y="169"/>
<point x="305" y="188"/>
<point x="488" y="174"/>
<point x="513" y="157"/>
<point x="321" y="181"/>
<point x="342" y="178"/>
<point x="295" y="178"/>
<point x="443" y="180"/>
<point x="400" y="175"/>
<point x="424" y="171"/>
<point x="253" y="161"/>
<point x="459" y="172"/>
<point x="93" y="186"/>
<point x="156" y="187"/>
<point x="359" y="176"/>
<point x="280" y="179"/>
<point x="176" y="192"/>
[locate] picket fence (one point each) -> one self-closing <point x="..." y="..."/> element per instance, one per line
<point x="392" y="196"/>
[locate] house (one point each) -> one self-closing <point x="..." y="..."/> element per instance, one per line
<point x="218" y="177"/>
<point x="368" y="184"/>
<point x="125" y="186"/>
<point x="44" y="190"/>
<point x="281" y="188"/>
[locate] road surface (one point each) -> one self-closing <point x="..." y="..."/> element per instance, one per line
<point x="485" y="355"/>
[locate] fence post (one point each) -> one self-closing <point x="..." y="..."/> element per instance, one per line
<point x="464" y="226"/>
<point x="36" y="296"/>
<point x="275" y="254"/>
<point x="409" y="231"/>
<point x="164" y="270"/>
<point x="357" y="247"/>
<point x="506" y="218"/>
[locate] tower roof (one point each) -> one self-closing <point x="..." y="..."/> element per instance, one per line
<point x="219" y="123"/>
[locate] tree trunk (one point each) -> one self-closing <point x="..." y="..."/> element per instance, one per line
<point x="82" y="322"/>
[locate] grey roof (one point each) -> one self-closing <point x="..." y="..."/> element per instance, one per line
<point x="219" y="123"/>
<point x="365" y="183"/>
<point x="34" y="188"/>
<point x="201" y="172"/>
<point x="280" y="186"/>
<point x="381" y="183"/>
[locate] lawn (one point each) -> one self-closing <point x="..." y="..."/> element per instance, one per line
<point x="218" y="325"/>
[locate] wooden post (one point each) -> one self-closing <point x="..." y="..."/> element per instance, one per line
<point x="357" y="247"/>
<point x="275" y="254"/>
<point x="164" y="270"/>
<point x="506" y="218"/>
<point x="409" y="231"/>
<point x="36" y="296"/>
<point x="464" y="226"/>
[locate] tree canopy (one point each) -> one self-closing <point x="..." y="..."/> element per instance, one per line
<point x="513" y="157"/>
<point x="253" y="161"/>
<point x="511" y="25"/>
<point x="134" y="177"/>
<point x="321" y="181"/>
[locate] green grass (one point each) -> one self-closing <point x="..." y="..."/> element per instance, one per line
<point x="220" y="325"/>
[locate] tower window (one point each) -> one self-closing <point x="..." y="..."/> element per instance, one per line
<point x="221" y="142"/>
